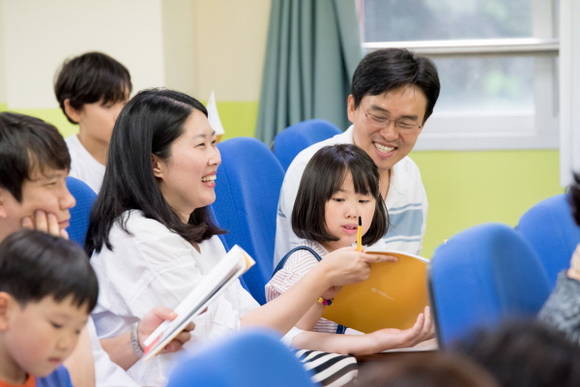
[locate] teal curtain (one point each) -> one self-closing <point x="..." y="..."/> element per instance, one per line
<point x="312" y="51"/>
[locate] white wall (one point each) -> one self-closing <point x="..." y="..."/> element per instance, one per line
<point x="190" y="45"/>
<point x="179" y="45"/>
<point x="2" y="55"/>
<point x="230" y="46"/>
<point x="39" y="35"/>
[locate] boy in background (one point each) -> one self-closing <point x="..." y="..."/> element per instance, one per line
<point x="47" y="292"/>
<point x="91" y="90"/>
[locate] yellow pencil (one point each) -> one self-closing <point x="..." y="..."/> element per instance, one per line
<point x="359" y="235"/>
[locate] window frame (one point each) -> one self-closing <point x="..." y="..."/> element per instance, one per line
<point x="505" y="130"/>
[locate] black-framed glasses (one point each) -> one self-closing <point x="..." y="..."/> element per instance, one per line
<point x="403" y="124"/>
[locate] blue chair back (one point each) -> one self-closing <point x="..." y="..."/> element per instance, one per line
<point x="550" y="229"/>
<point x="254" y="358"/>
<point x="483" y="276"/>
<point x="81" y="212"/>
<point x="289" y="142"/>
<point x="247" y="190"/>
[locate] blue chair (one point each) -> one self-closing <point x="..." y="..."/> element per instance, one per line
<point x="81" y="212"/>
<point x="550" y="229"/>
<point x="247" y="190"/>
<point x="483" y="276"/>
<point x="253" y="358"/>
<point x="289" y="142"/>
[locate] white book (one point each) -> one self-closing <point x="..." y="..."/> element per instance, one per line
<point x="235" y="263"/>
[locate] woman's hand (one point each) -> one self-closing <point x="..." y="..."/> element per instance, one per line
<point x="153" y="319"/>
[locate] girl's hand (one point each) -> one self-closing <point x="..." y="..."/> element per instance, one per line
<point x="391" y="338"/>
<point x="346" y="265"/>
<point x="331" y="292"/>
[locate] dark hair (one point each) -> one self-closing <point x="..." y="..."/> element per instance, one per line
<point x="525" y="353"/>
<point x="322" y="177"/>
<point x="147" y="125"/>
<point x="391" y="68"/>
<point x="34" y="265"/>
<point x="436" y="369"/>
<point x="90" y="78"/>
<point x="27" y="143"/>
<point x="574" y="197"/>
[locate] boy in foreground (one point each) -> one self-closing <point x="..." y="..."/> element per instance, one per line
<point x="47" y="292"/>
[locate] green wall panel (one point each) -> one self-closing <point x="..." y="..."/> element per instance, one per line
<point x="464" y="188"/>
<point x="469" y="188"/>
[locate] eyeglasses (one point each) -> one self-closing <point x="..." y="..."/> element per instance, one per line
<point x="404" y="124"/>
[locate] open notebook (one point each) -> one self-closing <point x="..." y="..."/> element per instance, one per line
<point x="392" y="297"/>
<point x="235" y="263"/>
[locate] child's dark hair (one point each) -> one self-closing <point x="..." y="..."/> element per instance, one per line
<point x="436" y="369"/>
<point x="150" y="122"/>
<point x="90" y="78"/>
<point x="524" y="353"/>
<point x="25" y="143"/>
<point x="323" y="176"/>
<point x="35" y="265"/>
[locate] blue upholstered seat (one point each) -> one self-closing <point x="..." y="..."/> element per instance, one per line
<point x="483" y="276"/>
<point x="81" y="212"/>
<point x="247" y="189"/>
<point x="254" y="358"/>
<point x="550" y="229"/>
<point x="289" y="142"/>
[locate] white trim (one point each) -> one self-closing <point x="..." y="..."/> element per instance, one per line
<point x="472" y="47"/>
<point x="479" y="131"/>
<point x="462" y="130"/>
<point x="569" y="89"/>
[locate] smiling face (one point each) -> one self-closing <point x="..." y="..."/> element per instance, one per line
<point x="46" y="191"/>
<point x="187" y="177"/>
<point x="341" y="214"/>
<point x="387" y="125"/>
<point x="39" y="336"/>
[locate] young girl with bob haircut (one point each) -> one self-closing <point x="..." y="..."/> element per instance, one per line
<point x="152" y="239"/>
<point x="339" y="185"/>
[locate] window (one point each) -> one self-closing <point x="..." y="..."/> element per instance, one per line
<point x="497" y="63"/>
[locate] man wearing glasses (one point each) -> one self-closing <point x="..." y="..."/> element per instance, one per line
<point x="393" y="92"/>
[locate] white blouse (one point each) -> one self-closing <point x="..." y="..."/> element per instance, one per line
<point x="154" y="266"/>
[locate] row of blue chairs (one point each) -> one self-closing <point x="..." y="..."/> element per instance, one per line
<point x="491" y="273"/>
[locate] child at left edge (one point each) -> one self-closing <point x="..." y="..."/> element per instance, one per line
<point x="47" y="292"/>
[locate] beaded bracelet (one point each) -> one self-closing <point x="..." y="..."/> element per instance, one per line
<point x="135" y="344"/>
<point x="324" y="301"/>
